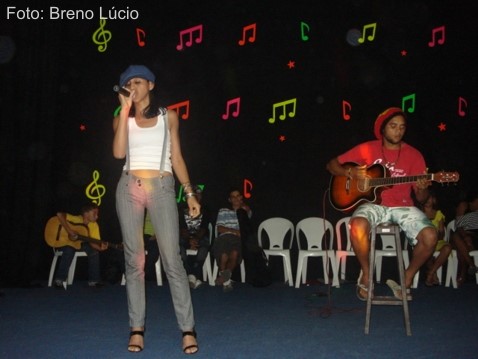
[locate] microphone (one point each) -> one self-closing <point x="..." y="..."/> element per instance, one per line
<point x="121" y="90"/>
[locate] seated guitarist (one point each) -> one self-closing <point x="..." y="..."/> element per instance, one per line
<point x="396" y="204"/>
<point x="88" y="218"/>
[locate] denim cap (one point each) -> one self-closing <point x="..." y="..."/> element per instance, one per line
<point x="136" y="71"/>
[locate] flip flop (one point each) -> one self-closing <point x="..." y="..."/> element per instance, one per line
<point x="397" y="289"/>
<point x="360" y="287"/>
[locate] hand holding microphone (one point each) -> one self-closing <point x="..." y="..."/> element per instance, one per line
<point x="121" y="90"/>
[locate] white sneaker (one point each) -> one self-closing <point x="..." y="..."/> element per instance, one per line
<point x="192" y="281"/>
<point x="197" y="284"/>
<point x="59" y="284"/>
<point x="227" y="286"/>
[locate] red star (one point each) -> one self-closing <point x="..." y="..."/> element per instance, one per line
<point x="442" y="126"/>
<point x="282" y="138"/>
<point x="404" y="52"/>
<point x="82" y="127"/>
<point x="291" y="64"/>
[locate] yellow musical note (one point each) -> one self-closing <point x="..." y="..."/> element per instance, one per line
<point x="95" y="191"/>
<point x="371" y="37"/>
<point x="283" y="104"/>
<point x="101" y="37"/>
<point x="411" y="98"/>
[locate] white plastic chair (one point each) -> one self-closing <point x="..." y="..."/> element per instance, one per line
<point x="157" y="266"/>
<point x="347" y="251"/>
<point x="215" y="270"/>
<point x="71" y="272"/>
<point x="452" y="263"/>
<point x="314" y="230"/>
<point x="277" y="229"/>
<point x="389" y="250"/>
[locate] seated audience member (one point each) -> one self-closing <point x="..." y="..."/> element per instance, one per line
<point x="437" y="217"/>
<point x="88" y="218"/>
<point x="194" y="234"/>
<point x="465" y="237"/>
<point x="227" y="246"/>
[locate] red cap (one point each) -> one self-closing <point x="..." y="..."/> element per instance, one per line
<point x="383" y="118"/>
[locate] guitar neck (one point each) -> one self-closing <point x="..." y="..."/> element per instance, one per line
<point x="389" y="181"/>
<point x="97" y="241"/>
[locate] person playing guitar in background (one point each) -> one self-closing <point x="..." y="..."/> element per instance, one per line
<point x="87" y="218"/>
<point x="396" y="206"/>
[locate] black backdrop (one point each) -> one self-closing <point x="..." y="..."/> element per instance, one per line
<point x="56" y="101"/>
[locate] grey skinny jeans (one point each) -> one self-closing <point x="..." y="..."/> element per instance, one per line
<point x="157" y="195"/>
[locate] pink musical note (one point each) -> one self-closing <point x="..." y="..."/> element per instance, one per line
<point x="410" y="98"/>
<point x="247" y="188"/>
<point x="435" y="32"/>
<point x="283" y="104"/>
<point x="345" y="105"/>
<point x="371" y="37"/>
<point x="237" y="102"/>
<point x="140" y="32"/>
<point x="252" y="37"/>
<point x="180" y="105"/>
<point x="189" y="32"/>
<point x="461" y="102"/>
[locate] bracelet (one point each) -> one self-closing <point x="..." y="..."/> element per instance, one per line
<point x="187" y="185"/>
<point x="190" y="194"/>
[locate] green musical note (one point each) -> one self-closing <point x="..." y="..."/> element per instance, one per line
<point x="117" y="111"/>
<point x="409" y="98"/>
<point x="303" y="27"/>
<point x="181" y="197"/>
<point x="95" y="191"/>
<point x="101" y="37"/>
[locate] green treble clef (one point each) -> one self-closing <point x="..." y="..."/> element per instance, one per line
<point x="101" y="36"/>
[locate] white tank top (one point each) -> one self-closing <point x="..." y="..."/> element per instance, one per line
<point x="146" y="146"/>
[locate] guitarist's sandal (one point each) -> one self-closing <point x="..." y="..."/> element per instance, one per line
<point x="347" y="193"/>
<point x="56" y="235"/>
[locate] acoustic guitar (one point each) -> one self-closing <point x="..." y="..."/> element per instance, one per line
<point x="346" y="193"/>
<point x="56" y="235"/>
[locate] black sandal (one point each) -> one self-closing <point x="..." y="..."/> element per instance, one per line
<point x="192" y="346"/>
<point x="135" y="348"/>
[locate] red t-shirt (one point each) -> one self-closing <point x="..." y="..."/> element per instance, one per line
<point x="407" y="161"/>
